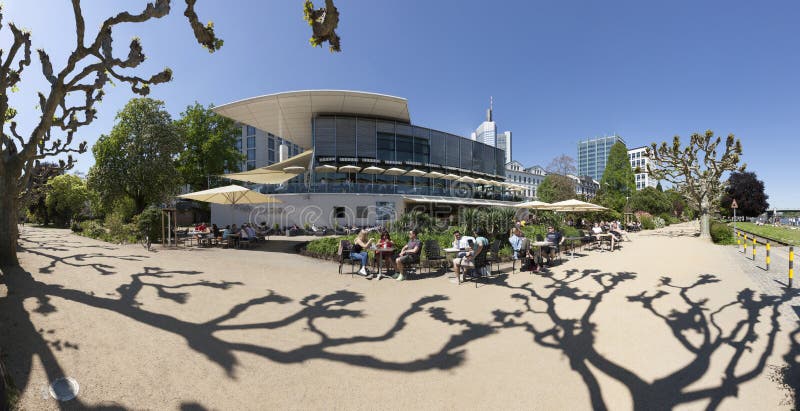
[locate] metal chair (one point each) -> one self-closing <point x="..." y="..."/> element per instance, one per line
<point x="479" y="262"/>
<point x="522" y="255"/>
<point x="344" y="254"/>
<point x="433" y="253"/>
<point x="494" y="254"/>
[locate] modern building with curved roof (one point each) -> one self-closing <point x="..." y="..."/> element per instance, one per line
<point x="361" y="144"/>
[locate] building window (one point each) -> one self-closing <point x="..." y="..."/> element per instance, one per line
<point x="338" y="212"/>
<point x="251" y="131"/>
<point x="362" y="212"/>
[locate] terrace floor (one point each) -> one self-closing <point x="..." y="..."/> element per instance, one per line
<point x="668" y="321"/>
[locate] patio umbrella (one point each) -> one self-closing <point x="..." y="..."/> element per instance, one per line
<point x="451" y="177"/>
<point x="349" y="169"/>
<point x="325" y="168"/>
<point x="415" y="173"/>
<point x="373" y="170"/>
<point x="575" y="206"/>
<point x="534" y="205"/>
<point x="394" y="171"/>
<point x="232" y="194"/>
<point x="434" y="174"/>
<point x="466" y="179"/>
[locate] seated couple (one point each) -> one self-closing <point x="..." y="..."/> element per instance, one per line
<point x="522" y="250"/>
<point x="466" y="259"/>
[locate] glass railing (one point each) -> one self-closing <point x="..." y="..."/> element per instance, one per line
<point x="368" y="188"/>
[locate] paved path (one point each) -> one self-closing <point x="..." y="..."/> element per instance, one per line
<point x="666" y="322"/>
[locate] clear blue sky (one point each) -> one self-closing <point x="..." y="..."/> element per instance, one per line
<point x="559" y="71"/>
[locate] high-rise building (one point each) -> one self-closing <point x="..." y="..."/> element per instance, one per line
<point x="639" y="160"/>
<point x="593" y="155"/>
<point x="487" y="134"/>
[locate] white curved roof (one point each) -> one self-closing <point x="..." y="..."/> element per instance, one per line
<point x="289" y="114"/>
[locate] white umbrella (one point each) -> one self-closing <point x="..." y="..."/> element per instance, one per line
<point x="575" y="205"/>
<point x="451" y="177"/>
<point x="415" y="173"/>
<point x="394" y="171"/>
<point x="373" y="170"/>
<point x="349" y="169"/>
<point x="294" y="169"/>
<point x="481" y="181"/>
<point x="325" y="168"/>
<point x="434" y="174"/>
<point x="535" y="205"/>
<point x="466" y="179"/>
<point x="232" y="194"/>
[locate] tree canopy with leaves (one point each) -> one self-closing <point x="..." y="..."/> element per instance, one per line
<point x="137" y="159"/>
<point x="748" y="191"/>
<point x="697" y="170"/>
<point x="618" y="182"/>
<point x="66" y="198"/>
<point x="208" y="145"/>
<point x="556" y="187"/>
<point x="69" y="101"/>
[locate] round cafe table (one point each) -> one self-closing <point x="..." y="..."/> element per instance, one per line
<point x="379" y="253"/>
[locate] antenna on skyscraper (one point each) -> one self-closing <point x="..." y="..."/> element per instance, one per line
<point x="489" y="112"/>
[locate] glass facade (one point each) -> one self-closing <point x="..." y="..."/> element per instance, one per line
<point x="593" y="154"/>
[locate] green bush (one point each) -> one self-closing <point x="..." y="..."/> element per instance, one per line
<point x="149" y="223"/>
<point x="668" y="218"/>
<point x="658" y="222"/>
<point x="721" y="233"/>
<point x="647" y="223"/>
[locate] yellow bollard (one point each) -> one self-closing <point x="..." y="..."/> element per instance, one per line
<point x="738" y="239"/>
<point x="745" y="246"/>
<point x="754" y="248"/>
<point x="791" y="265"/>
<point x="767" y="255"/>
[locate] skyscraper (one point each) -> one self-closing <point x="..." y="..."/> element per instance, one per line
<point x="486" y="133"/>
<point x="593" y="154"/>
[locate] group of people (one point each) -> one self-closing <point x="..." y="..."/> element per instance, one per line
<point x="246" y="231"/>
<point x="384" y="249"/>
<point x="519" y="245"/>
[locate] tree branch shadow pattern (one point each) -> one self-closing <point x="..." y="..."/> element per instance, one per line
<point x="574" y="337"/>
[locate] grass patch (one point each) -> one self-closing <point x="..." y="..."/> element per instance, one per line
<point x="782" y="234"/>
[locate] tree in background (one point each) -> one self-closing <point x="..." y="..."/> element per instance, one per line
<point x="66" y="198"/>
<point x="696" y="170"/>
<point x="563" y="165"/>
<point x="659" y="187"/>
<point x="678" y="202"/>
<point x="33" y="200"/>
<point x="69" y="102"/>
<point x="651" y="200"/>
<point x="618" y="182"/>
<point x="748" y="191"/>
<point x="208" y="145"/>
<point x="556" y="187"/>
<point x="137" y="159"/>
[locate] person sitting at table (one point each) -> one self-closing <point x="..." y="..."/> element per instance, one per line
<point x="359" y="252"/>
<point x="384" y="243"/>
<point x="516" y="241"/>
<point x="226" y="233"/>
<point x="200" y="231"/>
<point x="409" y="254"/>
<point x="251" y="232"/>
<point x="468" y="261"/>
<point x="460" y="243"/>
<point x="555" y="238"/>
<point x="215" y="231"/>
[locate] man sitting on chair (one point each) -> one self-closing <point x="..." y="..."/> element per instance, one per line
<point x="555" y="238"/>
<point x="468" y="261"/>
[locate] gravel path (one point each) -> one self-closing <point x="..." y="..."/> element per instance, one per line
<point x="668" y="321"/>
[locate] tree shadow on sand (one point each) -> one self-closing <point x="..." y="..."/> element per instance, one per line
<point x="575" y="336"/>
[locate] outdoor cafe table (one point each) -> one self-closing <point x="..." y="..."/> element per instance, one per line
<point x="606" y="235"/>
<point x="379" y="252"/>
<point x="539" y="245"/>
<point x="572" y="241"/>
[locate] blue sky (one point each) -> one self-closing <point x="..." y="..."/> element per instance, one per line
<point x="559" y="71"/>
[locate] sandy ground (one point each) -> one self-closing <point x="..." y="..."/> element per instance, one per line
<point x="667" y="321"/>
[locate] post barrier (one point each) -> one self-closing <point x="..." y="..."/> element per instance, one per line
<point x="738" y="240"/>
<point x="791" y="265"/>
<point x="754" y="248"/>
<point x="745" y="245"/>
<point x="767" y="255"/>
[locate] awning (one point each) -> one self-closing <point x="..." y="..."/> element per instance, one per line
<point x="261" y="176"/>
<point x="294" y="169"/>
<point x="301" y="160"/>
